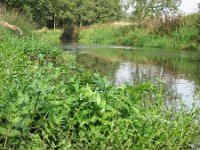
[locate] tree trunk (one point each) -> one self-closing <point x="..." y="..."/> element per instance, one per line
<point x="81" y="24"/>
<point x="11" y="27"/>
<point x="54" y="23"/>
<point x="63" y="25"/>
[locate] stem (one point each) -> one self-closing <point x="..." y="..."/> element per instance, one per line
<point x="36" y="104"/>
<point x="5" y="143"/>
<point x="54" y="22"/>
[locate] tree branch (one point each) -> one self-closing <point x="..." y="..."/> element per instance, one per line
<point x="11" y="27"/>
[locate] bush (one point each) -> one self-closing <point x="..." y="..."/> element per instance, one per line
<point x="158" y="42"/>
<point x="135" y="38"/>
<point x="185" y="34"/>
<point x="191" y="19"/>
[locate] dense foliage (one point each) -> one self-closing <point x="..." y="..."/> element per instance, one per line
<point x="86" y="12"/>
<point x="79" y="12"/>
<point x="49" y="103"/>
<point x="143" y="9"/>
<point x="181" y="34"/>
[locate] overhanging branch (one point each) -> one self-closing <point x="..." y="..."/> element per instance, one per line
<point x="11" y="27"/>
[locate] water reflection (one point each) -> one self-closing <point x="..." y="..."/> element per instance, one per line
<point x="137" y="73"/>
<point x="185" y="90"/>
<point x="180" y="69"/>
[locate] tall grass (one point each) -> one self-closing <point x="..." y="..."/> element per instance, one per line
<point x="50" y="36"/>
<point x="185" y="35"/>
<point x="102" y="35"/>
<point x="14" y="18"/>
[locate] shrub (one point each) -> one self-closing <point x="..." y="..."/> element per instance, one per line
<point x="157" y="42"/>
<point x="135" y="38"/>
<point x="191" y="19"/>
<point x="185" y="34"/>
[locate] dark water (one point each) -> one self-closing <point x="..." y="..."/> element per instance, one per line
<point x="180" y="70"/>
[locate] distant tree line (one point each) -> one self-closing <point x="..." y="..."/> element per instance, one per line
<point x="142" y="9"/>
<point x="54" y="13"/>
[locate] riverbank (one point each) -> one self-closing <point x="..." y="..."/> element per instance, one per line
<point x="50" y="36"/>
<point x="182" y="34"/>
<point x="48" y="102"/>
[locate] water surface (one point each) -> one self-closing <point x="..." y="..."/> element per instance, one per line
<point x="179" y="69"/>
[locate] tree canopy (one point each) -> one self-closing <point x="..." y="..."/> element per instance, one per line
<point x="148" y="8"/>
<point x="76" y="12"/>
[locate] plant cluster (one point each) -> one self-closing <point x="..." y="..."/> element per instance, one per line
<point x="184" y="35"/>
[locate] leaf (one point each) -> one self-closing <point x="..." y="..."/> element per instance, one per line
<point x="94" y="119"/>
<point x="50" y="65"/>
<point x="76" y="86"/>
<point x="137" y="112"/>
<point x="98" y="99"/>
<point x="3" y="131"/>
<point x="16" y="121"/>
<point x="22" y="98"/>
<point x="81" y="134"/>
<point x="13" y="133"/>
<point x="40" y="56"/>
<point x="103" y="110"/>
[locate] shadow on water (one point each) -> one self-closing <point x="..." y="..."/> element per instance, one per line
<point x="179" y="69"/>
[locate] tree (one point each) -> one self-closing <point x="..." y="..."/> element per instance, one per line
<point x="35" y="10"/>
<point x="60" y="10"/>
<point x="69" y="12"/>
<point x="93" y="11"/>
<point x="109" y="10"/>
<point x="151" y="8"/>
<point x="85" y="12"/>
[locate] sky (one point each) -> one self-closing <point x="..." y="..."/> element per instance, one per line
<point x="189" y="6"/>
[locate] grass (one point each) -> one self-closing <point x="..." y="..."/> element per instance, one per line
<point x="185" y="37"/>
<point x="50" y="36"/>
<point x="104" y="35"/>
<point x="47" y="102"/>
<point x="18" y="20"/>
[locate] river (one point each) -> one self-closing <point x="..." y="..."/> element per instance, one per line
<point x="180" y="70"/>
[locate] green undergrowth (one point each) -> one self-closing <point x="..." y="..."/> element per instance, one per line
<point x="14" y="18"/>
<point x="185" y="37"/>
<point x="50" y="36"/>
<point x="48" y="102"/>
<point x="103" y="35"/>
